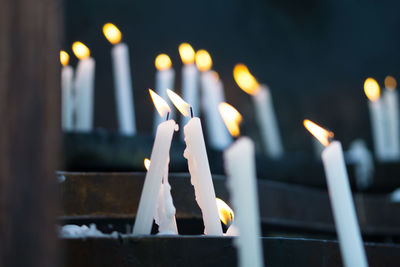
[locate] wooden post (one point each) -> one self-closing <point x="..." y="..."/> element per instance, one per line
<point x="29" y="131"/>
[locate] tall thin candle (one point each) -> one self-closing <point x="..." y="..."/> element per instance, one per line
<point x="391" y="99"/>
<point x="67" y="101"/>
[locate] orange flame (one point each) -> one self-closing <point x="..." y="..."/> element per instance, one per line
<point x="64" y="58"/>
<point x="203" y="60"/>
<point x="187" y="53"/>
<point x="147" y="164"/>
<point x="80" y="50"/>
<point x="178" y="102"/>
<point x="160" y="104"/>
<point x="320" y="133"/>
<point x="112" y="33"/>
<point x="232" y="118"/>
<point x="245" y="80"/>
<point x="390" y="83"/>
<point x="372" y="89"/>
<point x="226" y="214"/>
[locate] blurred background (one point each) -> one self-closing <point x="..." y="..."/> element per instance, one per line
<point x="314" y="55"/>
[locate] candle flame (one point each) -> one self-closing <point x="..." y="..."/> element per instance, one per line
<point x="187" y="53"/>
<point x="225" y="212"/>
<point x="64" y="58"/>
<point x="163" y="62"/>
<point x="390" y="83"/>
<point x="160" y="104"/>
<point x="203" y="60"/>
<point x="178" y="102"/>
<point x="371" y="89"/>
<point x="245" y="80"/>
<point x="232" y="118"/>
<point x="147" y="164"/>
<point x="320" y="133"/>
<point x="80" y="50"/>
<point x="112" y="33"/>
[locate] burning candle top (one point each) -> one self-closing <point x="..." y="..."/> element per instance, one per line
<point x="81" y="51"/>
<point x="64" y="58"/>
<point x="67" y="100"/>
<point x="390" y="83"/>
<point x="187" y="53"/>
<point x="112" y="33"/>
<point x="225" y="212"/>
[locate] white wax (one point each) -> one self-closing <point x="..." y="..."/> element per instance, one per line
<point x="379" y="134"/>
<point x="164" y="80"/>
<point x="152" y="184"/>
<point x="123" y="89"/>
<point x="200" y="174"/>
<point x="84" y="92"/>
<point x="344" y="214"/>
<point x="240" y="167"/>
<point x="190" y="90"/>
<point x="391" y="99"/>
<point x="265" y="115"/>
<point x="212" y="95"/>
<point x="67" y="101"/>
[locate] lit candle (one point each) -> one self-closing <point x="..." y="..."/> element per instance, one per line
<point x="199" y="168"/>
<point x="67" y="100"/>
<point x="157" y="170"/>
<point x="344" y="213"/>
<point x="391" y="99"/>
<point x="240" y="167"/>
<point x="165" y="211"/>
<point x="165" y="77"/>
<point x="190" y="80"/>
<point x="122" y="80"/>
<point x="212" y="94"/>
<point x="264" y="109"/>
<point x="84" y="88"/>
<point x="227" y="217"/>
<point x="377" y="114"/>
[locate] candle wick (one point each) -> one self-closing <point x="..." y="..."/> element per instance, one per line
<point x="167" y="116"/>
<point x="191" y="112"/>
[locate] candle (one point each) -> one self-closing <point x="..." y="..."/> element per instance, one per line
<point x="165" y="76"/>
<point x="240" y="167"/>
<point x="165" y="211"/>
<point x="84" y="87"/>
<point x="377" y="114"/>
<point x="200" y="174"/>
<point x="344" y="213"/>
<point x="122" y="80"/>
<point x="67" y="99"/>
<point x="190" y="80"/>
<point x="227" y="217"/>
<point x="157" y="170"/>
<point x="391" y="100"/>
<point x="264" y="109"/>
<point x="212" y="94"/>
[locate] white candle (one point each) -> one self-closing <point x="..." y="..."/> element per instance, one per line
<point x="158" y="168"/>
<point x="344" y="214"/>
<point x="240" y="167"/>
<point x="377" y="115"/>
<point x="190" y="80"/>
<point x="264" y="109"/>
<point x="122" y="81"/>
<point x="165" y="77"/>
<point x="391" y="100"/>
<point x="212" y="94"/>
<point x="84" y="88"/>
<point x="199" y="168"/>
<point x="67" y="94"/>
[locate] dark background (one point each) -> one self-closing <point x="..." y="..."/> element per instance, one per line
<point x="314" y="55"/>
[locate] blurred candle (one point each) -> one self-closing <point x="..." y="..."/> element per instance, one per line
<point x="199" y="168"/>
<point x="190" y="80"/>
<point x="67" y="101"/>
<point x="240" y="167"/>
<point x="212" y="94"/>
<point x="84" y="88"/>
<point x="157" y="169"/>
<point x="165" y="77"/>
<point x="344" y="214"/>
<point x="377" y="115"/>
<point x="264" y="110"/>
<point x="122" y="80"/>
<point x="391" y="99"/>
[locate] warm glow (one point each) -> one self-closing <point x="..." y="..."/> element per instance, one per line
<point x="147" y="163"/>
<point x="163" y="62"/>
<point x="112" y="33"/>
<point x="390" y="83"/>
<point x="231" y="117"/>
<point x="226" y="214"/>
<point x="320" y="133"/>
<point x="160" y="104"/>
<point x="80" y="50"/>
<point x="178" y="102"/>
<point x="187" y="53"/>
<point x="245" y="80"/>
<point x="371" y="89"/>
<point x="64" y="58"/>
<point x="203" y="60"/>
